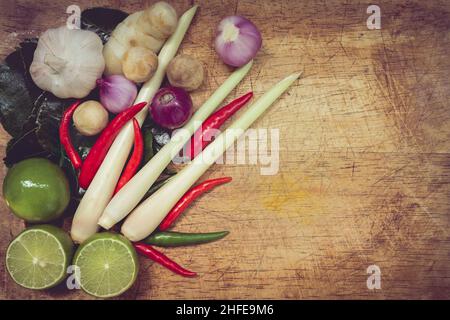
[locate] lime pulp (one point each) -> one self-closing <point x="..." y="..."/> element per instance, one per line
<point x="108" y="265"/>
<point x="38" y="257"/>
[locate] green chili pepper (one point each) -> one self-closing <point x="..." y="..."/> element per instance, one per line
<point x="175" y="239"/>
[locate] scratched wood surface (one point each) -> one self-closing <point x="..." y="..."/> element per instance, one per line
<point x="364" y="166"/>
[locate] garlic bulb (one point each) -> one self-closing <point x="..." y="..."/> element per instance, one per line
<point x="67" y="62"/>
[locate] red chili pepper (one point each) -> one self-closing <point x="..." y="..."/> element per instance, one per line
<point x="64" y="136"/>
<point x="135" y="159"/>
<point x="201" y="137"/>
<point x="99" y="150"/>
<point x="159" y="257"/>
<point x="188" y="197"/>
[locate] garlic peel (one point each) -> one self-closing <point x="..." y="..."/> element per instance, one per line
<point x="67" y="62"/>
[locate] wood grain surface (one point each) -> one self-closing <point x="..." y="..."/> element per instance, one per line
<point x="364" y="155"/>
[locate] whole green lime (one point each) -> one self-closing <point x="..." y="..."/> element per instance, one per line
<point x="36" y="190"/>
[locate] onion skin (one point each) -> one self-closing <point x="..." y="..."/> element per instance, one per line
<point x="171" y="107"/>
<point x="237" y="41"/>
<point x="117" y="93"/>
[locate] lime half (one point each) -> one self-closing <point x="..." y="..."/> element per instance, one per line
<point x="108" y="265"/>
<point x="38" y="257"/>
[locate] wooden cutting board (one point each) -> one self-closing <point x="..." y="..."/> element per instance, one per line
<point x="364" y="163"/>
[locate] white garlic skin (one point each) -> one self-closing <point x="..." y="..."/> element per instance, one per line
<point x="67" y="62"/>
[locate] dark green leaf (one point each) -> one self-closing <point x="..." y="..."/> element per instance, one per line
<point x="102" y="21"/>
<point x="70" y="172"/>
<point x="162" y="180"/>
<point x="47" y="122"/>
<point x="148" y="144"/>
<point x="20" y="61"/>
<point x="15" y="102"/>
<point x="24" y="147"/>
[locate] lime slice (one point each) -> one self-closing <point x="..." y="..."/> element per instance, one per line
<point x="38" y="257"/>
<point x="108" y="265"/>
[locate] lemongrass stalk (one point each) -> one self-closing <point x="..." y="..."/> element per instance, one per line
<point x="132" y="193"/>
<point x="102" y="186"/>
<point x="149" y="214"/>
